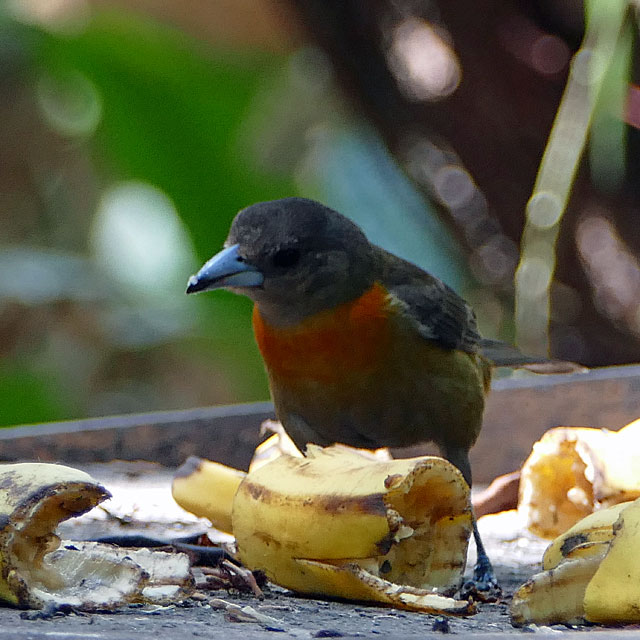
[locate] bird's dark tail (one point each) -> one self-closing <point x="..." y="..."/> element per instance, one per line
<point x="502" y="354"/>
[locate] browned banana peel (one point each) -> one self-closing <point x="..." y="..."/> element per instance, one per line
<point x="335" y="523"/>
<point x="38" y="569"/>
<point x="574" y="471"/>
<point x="592" y="573"/>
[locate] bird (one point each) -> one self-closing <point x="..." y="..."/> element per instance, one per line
<point x="360" y="346"/>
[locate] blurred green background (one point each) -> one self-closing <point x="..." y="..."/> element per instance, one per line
<point x="131" y="133"/>
<point x="128" y="144"/>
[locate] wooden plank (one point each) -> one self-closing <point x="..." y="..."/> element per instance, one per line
<point x="519" y="411"/>
<point x="226" y="434"/>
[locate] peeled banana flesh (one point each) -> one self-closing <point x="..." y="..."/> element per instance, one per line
<point x="339" y="524"/>
<point x="574" y="471"/>
<point x="39" y="569"/>
<point x="591" y="573"/>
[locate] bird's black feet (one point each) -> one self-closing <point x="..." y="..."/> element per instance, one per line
<point x="484" y="586"/>
<point x="484" y="577"/>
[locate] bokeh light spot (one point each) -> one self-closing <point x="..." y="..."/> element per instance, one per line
<point x="424" y="64"/>
<point x="549" y="54"/>
<point x="613" y="270"/>
<point x="584" y="67"/>
<point x="139" y="239"/>
<point x="534" y="277"/>
<point x="544" y="209"/>
<point x="59" y="16"/>
<point x="70" y="103"/>
<point x="454" y="185"/>
<point x="494" y="262"/>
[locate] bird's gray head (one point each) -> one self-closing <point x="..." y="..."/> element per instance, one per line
<point x="293" y="257"/>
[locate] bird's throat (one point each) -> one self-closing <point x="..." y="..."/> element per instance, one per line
<point x="331" y="345"/>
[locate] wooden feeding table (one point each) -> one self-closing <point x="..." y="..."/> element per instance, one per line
<point x="519" y="411"/>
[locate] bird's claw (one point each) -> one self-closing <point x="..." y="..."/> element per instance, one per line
<point x="483" y="574"/>
<point x="484" y="586"/>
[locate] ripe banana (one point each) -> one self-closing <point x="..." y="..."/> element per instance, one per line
<point x="585" y="537"/>
<point x="37" y="568"/>
<point x="592" y="573"/>
<point x="207" y="489"/>
<point x="574" y="471"/>
<point x="336" y="523"/>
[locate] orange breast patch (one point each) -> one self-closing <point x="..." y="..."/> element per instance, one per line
<point x="350" y="338"/>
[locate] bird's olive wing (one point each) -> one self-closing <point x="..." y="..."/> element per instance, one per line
<point x="437" y="312"/>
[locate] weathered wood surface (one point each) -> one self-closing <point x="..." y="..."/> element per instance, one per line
<point x="519" y="411"/>
<point x="227" y="434"/>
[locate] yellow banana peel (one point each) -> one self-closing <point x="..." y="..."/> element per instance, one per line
<point x="613" y="595"/>
<point x="592" y="573"/>
<point x="582" y="539"/>
<point x="207" y="490"/>
<point x="573" y="471"/>
<point x="336" y="523"/>
<point x="554" y="596"/>
<point x="37" y="568"/>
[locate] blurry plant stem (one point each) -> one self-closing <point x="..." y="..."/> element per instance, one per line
<point x="605" y="26"/>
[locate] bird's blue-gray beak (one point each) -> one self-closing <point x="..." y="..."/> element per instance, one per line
<point x="225" y="269"/>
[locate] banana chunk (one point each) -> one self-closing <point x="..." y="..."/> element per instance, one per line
<point x="336" y="523"/>
<point x="592" y="573"/>
<point x="573" y="471"/>
<point x="38" y="569"/>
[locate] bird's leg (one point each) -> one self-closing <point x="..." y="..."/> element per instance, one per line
<point x="483" y="575"/>
<point x="484" y="579"/>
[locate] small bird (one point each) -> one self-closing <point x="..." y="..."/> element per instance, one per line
<point x="360" y="346"/>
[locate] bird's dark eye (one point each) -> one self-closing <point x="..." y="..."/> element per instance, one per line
<point x="286" y="257"/>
